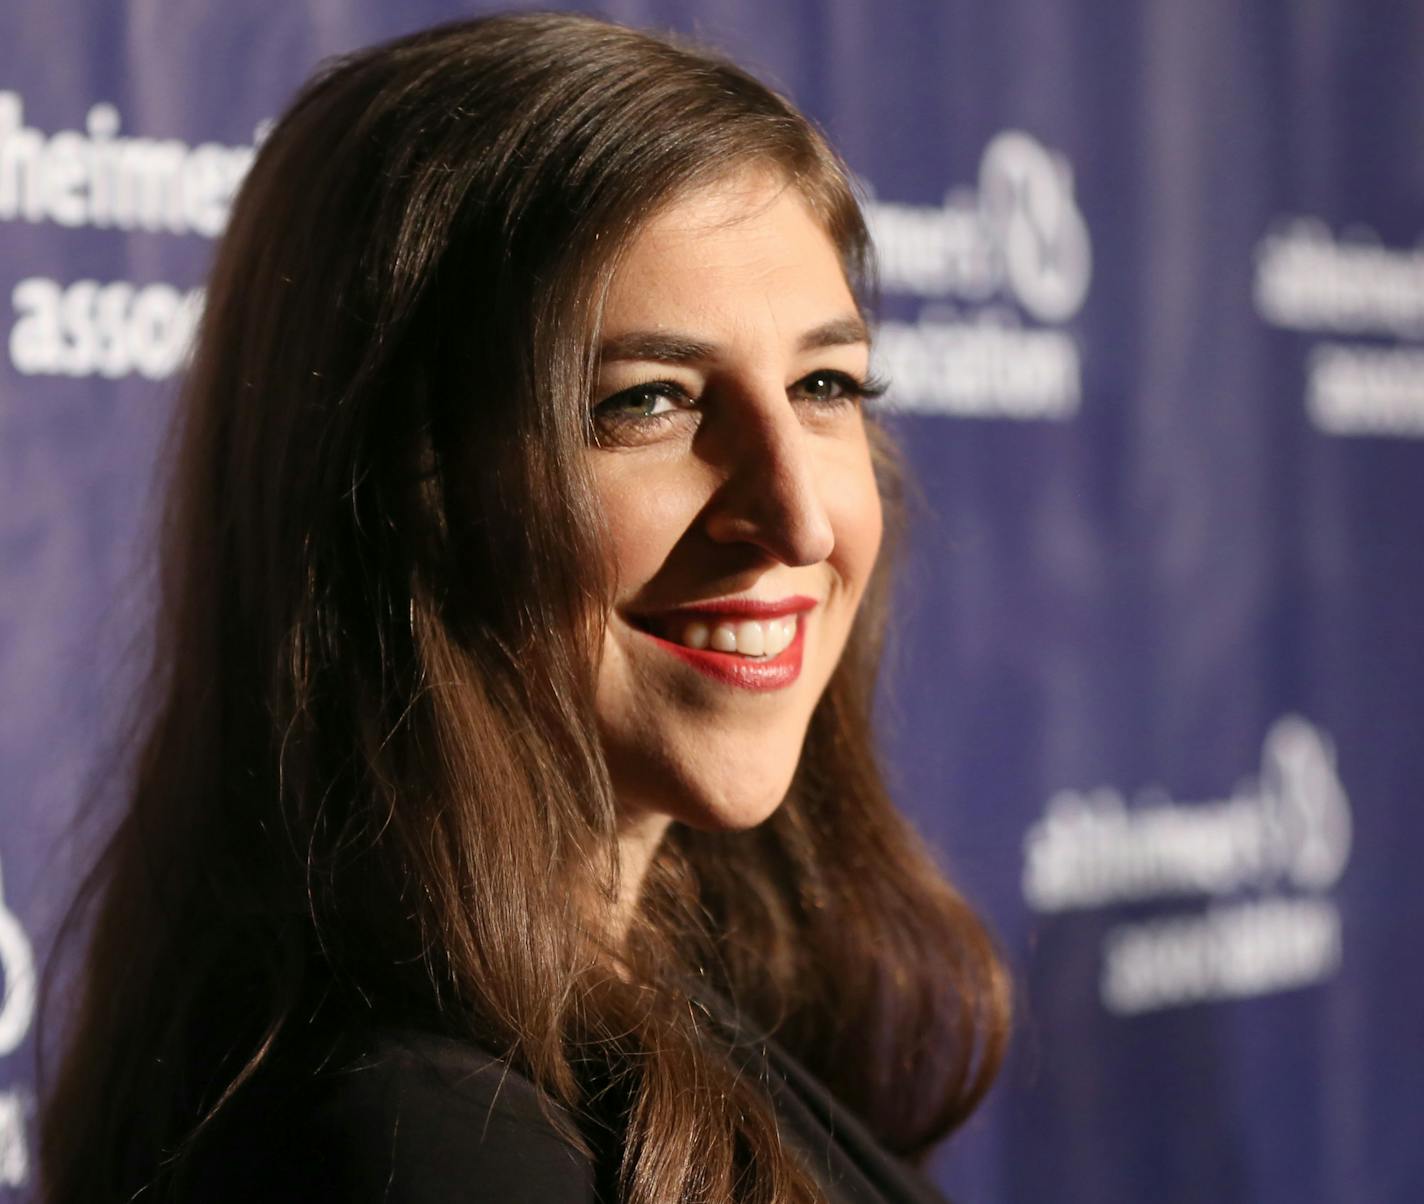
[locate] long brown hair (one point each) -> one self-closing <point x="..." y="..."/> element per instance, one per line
<point x="370" y="775"/>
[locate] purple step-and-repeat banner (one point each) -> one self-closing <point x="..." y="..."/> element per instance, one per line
<point x="1154" y="314"/>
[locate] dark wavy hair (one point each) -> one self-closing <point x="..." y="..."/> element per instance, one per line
<point x="368" y="772"/>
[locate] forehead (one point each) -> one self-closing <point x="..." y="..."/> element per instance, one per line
<point x="739" y="250"/>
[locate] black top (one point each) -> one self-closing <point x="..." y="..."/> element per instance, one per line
<point x="421" y="1119"/>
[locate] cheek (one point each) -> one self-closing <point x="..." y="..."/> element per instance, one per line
<point x="644" y="515"/>
<point x="859" y="525"/>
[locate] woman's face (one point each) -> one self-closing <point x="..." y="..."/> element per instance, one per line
<point x="740" y="504"/>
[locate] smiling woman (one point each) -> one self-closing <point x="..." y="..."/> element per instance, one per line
<point x="504" y="817"/>
<point x="734" y="477"/>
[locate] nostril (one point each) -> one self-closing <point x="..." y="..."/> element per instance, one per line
<point x="787" y="520"/>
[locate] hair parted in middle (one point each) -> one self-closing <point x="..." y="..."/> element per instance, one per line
<point x="371" y="777"/>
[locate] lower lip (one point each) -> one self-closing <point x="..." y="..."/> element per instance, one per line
<point x="774" y="673"/>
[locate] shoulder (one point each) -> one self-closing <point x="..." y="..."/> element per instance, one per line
<point x="412" y="1118"/>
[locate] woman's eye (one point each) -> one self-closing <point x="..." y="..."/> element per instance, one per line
<point x="832" y="386"/>
<point x="639" y="408"/>
<point x="642" y="401"/>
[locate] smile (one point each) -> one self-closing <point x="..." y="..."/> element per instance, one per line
<point x="739" y="642"/>
<point x="750" y="637"/>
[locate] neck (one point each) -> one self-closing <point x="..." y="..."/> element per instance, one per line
<point x="638" y="841"/>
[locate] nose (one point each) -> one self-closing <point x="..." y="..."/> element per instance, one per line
<point x="772" y="495"/>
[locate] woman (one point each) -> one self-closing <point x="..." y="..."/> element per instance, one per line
<point x="507" y="824"/>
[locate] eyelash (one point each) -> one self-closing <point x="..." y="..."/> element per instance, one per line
<point x="852" y="390"/>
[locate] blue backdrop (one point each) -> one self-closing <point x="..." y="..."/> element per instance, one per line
<point x="1154" y="313"/>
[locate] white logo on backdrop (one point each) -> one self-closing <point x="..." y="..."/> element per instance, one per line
<point x="92" y="329"/>
<point x="18" y="962"/>
<point x="14" y="1149"/>
<point x="101" y="178"/>
<point x="1283" y="835"/>
<point x="997" y="268"/>
<point x="1311" y="281"/>
<point x="16" y="1013"/>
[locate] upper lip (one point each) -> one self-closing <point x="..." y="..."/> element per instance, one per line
<point x="735" y="608"/>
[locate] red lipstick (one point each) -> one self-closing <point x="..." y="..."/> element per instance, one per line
<point x="730" y="668"/>
<point x="743" y="608"/>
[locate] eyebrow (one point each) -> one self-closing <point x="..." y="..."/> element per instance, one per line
<point x="672" y="348"/>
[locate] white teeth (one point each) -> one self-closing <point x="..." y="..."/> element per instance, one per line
<point x="747" y="638"/>
<point x="751" y="639"/>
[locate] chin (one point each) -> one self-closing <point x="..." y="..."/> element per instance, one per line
<point x="730" y="814"/>
<point x="732" y="800"/>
